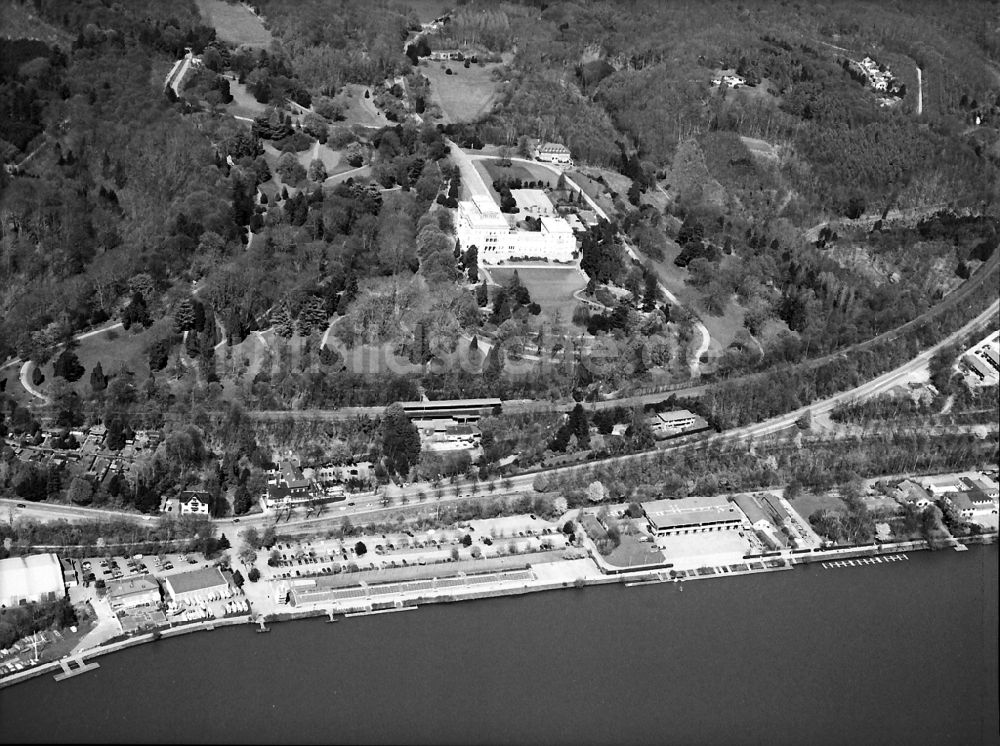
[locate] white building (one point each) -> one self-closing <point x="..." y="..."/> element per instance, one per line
<point x="35" y="577"/>
<point x="445" y="434"/>
<point x="664" y="424"/>
<point x="190" y="502"/>
<point x="131" y="592"/>
<point x="553" y="152"/>
<point x="481" y="224"/>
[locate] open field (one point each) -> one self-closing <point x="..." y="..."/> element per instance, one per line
<point x="551" y="288"/>
<point x="243" y="103"/>
<point x="466" y="95"/>
<point x="723" y="328"/>
<point x="234" y="23"/>
<point x="593" y="189"/>
<point x="491" y="169"/>
<point x="112" y="349"/>
<point x="18" y="21"/>
<point x="10" y="384"/>
<point x="807" y="503"/>
<point x="360" y="110"/>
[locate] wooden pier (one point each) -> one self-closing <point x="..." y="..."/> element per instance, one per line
<point x="68" y="671"/>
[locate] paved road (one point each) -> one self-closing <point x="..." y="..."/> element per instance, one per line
<point x="52" y="511"/>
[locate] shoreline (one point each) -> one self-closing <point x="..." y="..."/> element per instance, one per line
<point x="455" y="595"/>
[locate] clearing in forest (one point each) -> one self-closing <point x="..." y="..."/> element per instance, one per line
<point x="464" y="96"/>
<point x="234" y="23"/>
<point x="551" y="287"/>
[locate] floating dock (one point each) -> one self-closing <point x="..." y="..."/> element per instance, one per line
<point x="68" y="671"/>
<point x="860" y="561"/>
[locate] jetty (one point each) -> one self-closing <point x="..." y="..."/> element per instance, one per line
<point x="69" y="671"/>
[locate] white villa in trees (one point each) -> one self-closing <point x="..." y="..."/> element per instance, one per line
<point x="498" y="239"/>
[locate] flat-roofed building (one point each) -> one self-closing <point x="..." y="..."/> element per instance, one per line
<point x="691" y="515"/>
<point x="461" y="410"/>
<point x="445" y="434"/>
<point x="71" y="578"/>
<point x="128" y="593"/>
<point x="196" y="585"/>
<point x="29" y="579"/>
<point x="665" y="424"/>
<point x="941" y="485"/>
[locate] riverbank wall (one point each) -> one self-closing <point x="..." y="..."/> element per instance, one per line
<point x="114" y="647"/>
<point x="455" y="595"/>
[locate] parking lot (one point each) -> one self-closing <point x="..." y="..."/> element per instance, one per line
<point x="518" y="535"/>
<point x="117" y="568"/>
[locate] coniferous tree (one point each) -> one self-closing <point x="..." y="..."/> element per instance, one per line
<point x="98" y="381"/>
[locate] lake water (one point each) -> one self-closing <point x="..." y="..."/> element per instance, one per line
<point x="901" y="653"/>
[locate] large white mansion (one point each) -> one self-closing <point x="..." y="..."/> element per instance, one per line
<point x="497" y="237"/>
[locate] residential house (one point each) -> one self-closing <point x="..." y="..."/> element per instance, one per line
<point x="909" y="491"/>
<point x="288" y="486"/>
<point x="667" y="424"/>
<point x="189" y="502"/>
<point x="553" y="152"/>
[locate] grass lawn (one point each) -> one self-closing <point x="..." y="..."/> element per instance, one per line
<point x="808" y="503"/>
<point x="112" y="349"/>
<point x="464" y="96"/>
<point x="358" y="109"/>
<point x="634" y="553"/>
<point x="243" y="103"/>
<point x="723" y="328"/>
<point x="10" y="384"/>
<point x="490" y="170"/>
<point x="595" y="190"/>
<point x="552" y="288"/>
<point x="234" y="23"/>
